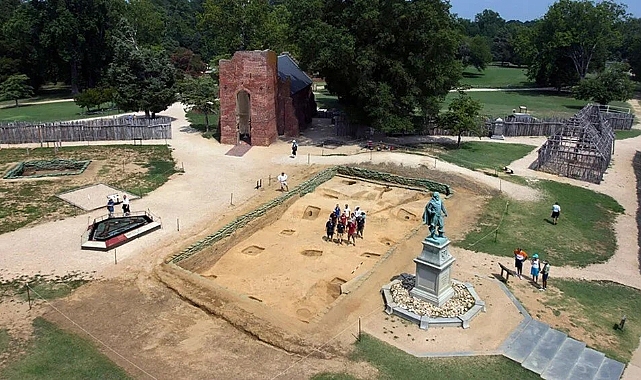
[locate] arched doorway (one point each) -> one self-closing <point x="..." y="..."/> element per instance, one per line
<point x="243" y="116"/>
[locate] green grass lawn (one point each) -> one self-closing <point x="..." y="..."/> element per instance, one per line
<point x="539" y="103"/>
<point x="496" y="77"/>
<point x="49" y="112"/>
<point x="5" y="340"/>
<point x="197" y="121"/>
<point x="57" y="354"/>
<point x="595" y="307"/>
<point x="583" y="236"/>
<point x="484" y="155"/>
<point x="622" y="135"/>
<point x="393" y="363"/>
<point x="325" y="100"/>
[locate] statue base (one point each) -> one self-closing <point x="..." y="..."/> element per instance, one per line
<point x="433" y="272"/>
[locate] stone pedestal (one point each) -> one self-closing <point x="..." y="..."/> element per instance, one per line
<point x="498" y="130"/>
<point x="433" y="272"/>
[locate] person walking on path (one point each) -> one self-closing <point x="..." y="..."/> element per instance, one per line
<point x="294" y="148"/>
<point x="556" y="211"/>
<point x="329" y="227"/>
<point x="534" y="270"/>
<point x="125" y="205"/>
<point x="545" y="273"/>
<point x="519" y="257"/>
<point x="110" y="207"/>
<point x="282" y="179"/>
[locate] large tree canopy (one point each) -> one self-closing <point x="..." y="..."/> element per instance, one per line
<point x="579" y="32"/>
<point x="613" y="83"/>
<point x="386" y="60"/>
<point x="142" y="78"/>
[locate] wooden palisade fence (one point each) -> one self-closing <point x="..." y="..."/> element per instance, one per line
<point x="105" y="129"/>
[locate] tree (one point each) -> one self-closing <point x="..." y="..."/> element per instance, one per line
<point x="462" y="115"/>
<point x="388" y="61"/>
<point x="582" y="31"/>
<point x="142" y="78"/>
<point x="631" y="48"/>
<point x="199" y="94"/>
<point x="94" y="97"/>
<point x="613" y="83"/>
<point x="475" y="51"/>
<point x="489" y="23"/>
<point x="16" y="87"/>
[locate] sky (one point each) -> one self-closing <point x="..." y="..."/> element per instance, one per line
<point x="523" y="10"/>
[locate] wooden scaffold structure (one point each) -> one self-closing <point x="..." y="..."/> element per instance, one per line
<point x="582" y="149"/>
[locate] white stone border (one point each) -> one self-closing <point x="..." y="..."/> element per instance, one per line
<point x="424" y="322"/>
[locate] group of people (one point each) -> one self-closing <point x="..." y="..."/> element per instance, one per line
<point x="536" y="267"/>
<point x="125" y="206"/>
<point x="340" y="221"/>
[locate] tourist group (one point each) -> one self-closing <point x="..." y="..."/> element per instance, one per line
<point x="341" y="221"/>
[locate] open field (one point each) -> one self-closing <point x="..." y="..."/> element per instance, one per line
<point x="576" y="240"/>
<point x="197" y="121"/>
<point x="46" y="112"/>
<point x="622" y="135"/>
<point x="325" y="100"/>
<point x="539" y="103"/>
<point x="136" y="169"/>
<point x="495" y="76"/>
<point x="56" y="354"/>
<point x="484" y="155"/>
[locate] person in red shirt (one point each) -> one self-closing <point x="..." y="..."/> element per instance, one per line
<point x="519" y="257"/>
<point x="351" y="231"/>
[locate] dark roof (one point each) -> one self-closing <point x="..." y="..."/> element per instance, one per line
<point x="287" y="67"/>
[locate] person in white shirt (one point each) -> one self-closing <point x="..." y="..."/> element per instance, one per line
<point x="282" y="178"/>
<point x="556" y="211"/>
<point x="125" y="205"/>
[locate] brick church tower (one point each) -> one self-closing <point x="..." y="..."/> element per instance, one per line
<point x="263" y="95"/>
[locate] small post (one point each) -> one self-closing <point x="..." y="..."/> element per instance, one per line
<point x="322" y="152"/>
<point x="500" y="186"/>
<point x="178" y="224"/>
<point x="115" y="257"/>
<point x="269" y="183"/>
<point x="231" y="199"/>
<point x="370" y="155"/>
<point x="359" y="329"/>
<point x="307" y="158"/>
<point x="123" y="165"/>
<point x="496" y="234"/>
<point x="182" y="164"/>
<point x="28" y="296"/>
<point x="622" y="323"/>
<point x="434" y="162"/>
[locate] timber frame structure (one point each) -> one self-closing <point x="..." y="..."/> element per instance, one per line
<point x="582" y="149"/>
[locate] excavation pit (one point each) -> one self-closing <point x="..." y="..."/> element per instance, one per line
<point x="298" y="273"/>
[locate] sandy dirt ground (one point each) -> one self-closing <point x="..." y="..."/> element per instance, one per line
<point x="291" y="267"/>
<point x="149" y="327"/>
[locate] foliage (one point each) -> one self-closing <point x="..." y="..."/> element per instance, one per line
<point x="578" y="239"/>
<point x="94" y="97"/>
<point x="462" y="115"/>
<point x="631" y="47"/>
<point x="599" y="305"/>
<point x="572" y="37"/>
<point x="197" y="121"/>
<point x="475" y="52"/>
<point x="385" y="60"/>
<point x="393" y="363"/>
<point x="200" y="94"/>
<point x="485" y="155"/>
<point x="613" y="83"/>
<point x="188" y="62"/>
<point x="56" y="354"/>
<point x="143" y="78"/>
<point x="15" y="87"/>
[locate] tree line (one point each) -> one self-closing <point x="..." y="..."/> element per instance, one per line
<point x="390" y="62"/>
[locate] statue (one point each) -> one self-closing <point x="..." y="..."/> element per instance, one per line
<point x="433" y="215"/>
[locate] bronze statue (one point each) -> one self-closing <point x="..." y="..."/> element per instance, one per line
<point x="433" y="216"/>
